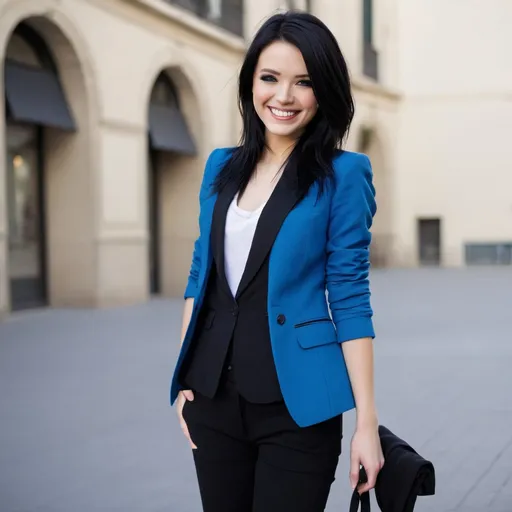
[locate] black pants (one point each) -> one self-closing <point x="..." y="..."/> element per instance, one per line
<point x="254" y="457"/>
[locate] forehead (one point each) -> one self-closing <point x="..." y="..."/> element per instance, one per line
<point x="282" y="57"/>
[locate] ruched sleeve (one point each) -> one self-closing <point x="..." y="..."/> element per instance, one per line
<point x="348" y="262"/>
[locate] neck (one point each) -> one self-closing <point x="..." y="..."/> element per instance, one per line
<point x="277" y="149"/>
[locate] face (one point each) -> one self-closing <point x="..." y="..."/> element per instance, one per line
<point x="282" y="93"/>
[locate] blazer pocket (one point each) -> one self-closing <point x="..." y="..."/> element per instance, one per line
<point x="315" y="333"/>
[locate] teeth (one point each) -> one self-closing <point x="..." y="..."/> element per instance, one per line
<point x="282" y="113"/>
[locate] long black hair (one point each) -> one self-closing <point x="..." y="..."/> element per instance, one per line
<point x="311" y="158"/>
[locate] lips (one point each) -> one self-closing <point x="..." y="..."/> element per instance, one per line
<point x="283" y="115"/>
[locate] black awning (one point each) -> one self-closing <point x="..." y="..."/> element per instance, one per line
<point x="35" y="96"/>
<point x="168" y="130"/>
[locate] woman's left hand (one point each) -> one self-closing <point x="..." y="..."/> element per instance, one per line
<point x="365" y="450"/>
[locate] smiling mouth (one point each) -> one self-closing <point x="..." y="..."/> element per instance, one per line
<point x="283" y="115"/>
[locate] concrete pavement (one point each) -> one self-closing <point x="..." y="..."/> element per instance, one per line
<point x="86" y="426"/>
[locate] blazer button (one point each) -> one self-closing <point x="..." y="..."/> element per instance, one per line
<point x="281" y="319"/>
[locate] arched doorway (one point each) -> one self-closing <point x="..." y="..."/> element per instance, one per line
<point x="169" y="140"/>
<point x="34" y="101"/>
<point x="381" y="246"/>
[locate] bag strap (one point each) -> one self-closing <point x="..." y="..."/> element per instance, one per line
<point x="364" y="499"/>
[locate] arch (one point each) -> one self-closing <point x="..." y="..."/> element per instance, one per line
<point x="370" y="142"/>
<point x="173" y="183"/>
<point x="69" y="158"/>
<point x="186" y="79"/>
<point x="46" y="15"/>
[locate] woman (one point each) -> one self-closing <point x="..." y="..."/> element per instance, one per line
<point x="265" y="374"/>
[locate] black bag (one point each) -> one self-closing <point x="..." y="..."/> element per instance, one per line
<point x="404" y="476"/>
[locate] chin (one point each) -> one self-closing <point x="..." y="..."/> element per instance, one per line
<point x="283" y="131"/>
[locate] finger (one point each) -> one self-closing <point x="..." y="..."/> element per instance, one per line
<point x="189" y="395"/>
<point x="372" y="479"/>
<point x="184" y="428"/>
<point x="354" y="471"/>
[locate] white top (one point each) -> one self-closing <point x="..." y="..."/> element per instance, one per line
<point x="239" y="233"/>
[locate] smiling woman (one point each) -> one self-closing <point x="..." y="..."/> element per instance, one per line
<point x="268" y="366"/>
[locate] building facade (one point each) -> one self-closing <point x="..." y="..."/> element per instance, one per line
<point x="111" y="109"/>
<point x="453" y="183"/>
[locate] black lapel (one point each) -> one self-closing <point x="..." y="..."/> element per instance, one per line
<point x="283" y="199"/>
<point x="218" y="230"/>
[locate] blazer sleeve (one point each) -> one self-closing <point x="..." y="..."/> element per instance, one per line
<point x="191" y="288"/>
<point x="348" y="263"/>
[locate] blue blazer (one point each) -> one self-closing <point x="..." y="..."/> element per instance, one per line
<point x="320" y="244"/>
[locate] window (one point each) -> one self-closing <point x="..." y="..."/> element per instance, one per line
<point x="370" y="56"/>
<point x="214" y="9"/>
<point x="368" y="21"/>
<point x="304" y="5"/>
<point x="227" y="14"/>
<point x="489" y="253"/>
<point x="164" y="93"/>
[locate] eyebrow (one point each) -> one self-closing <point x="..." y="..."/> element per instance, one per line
<point x="266" y="70"/>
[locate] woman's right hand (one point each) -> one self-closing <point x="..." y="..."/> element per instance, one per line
<point x="183" y="396"/>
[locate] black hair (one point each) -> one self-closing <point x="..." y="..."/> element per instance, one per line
<point x="312" y="156"/>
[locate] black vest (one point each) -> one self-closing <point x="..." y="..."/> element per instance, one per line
<point x="232" y="334"/>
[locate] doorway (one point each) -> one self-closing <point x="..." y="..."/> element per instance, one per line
<point x="429" y="241"/>
<point x="154" y="204"/>
<point x="168" y="139"/>
<point x="26" y="213"/>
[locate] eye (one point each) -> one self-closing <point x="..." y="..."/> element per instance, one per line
<point x="268" y="78"/>
<point x="305" y="83"/>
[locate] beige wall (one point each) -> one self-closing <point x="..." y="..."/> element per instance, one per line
<point x="205" y="82"/>
<point x="455" y="122"/>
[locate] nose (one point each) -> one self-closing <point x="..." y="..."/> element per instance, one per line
<point x="284" y="94"/>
